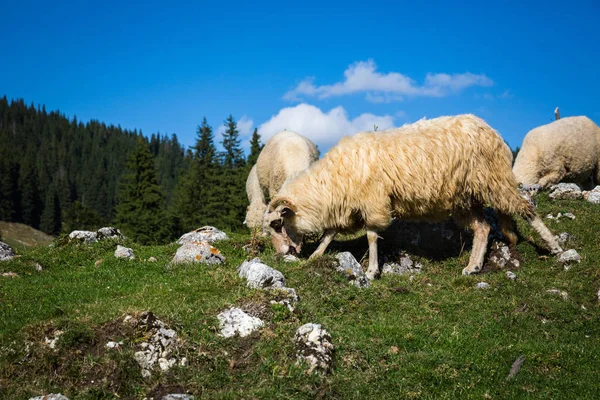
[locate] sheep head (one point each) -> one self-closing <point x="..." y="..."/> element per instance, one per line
<point x="279" y="222"/>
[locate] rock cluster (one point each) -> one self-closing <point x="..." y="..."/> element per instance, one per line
<point x="6" y="252"/>
<point x="100" y="234"/>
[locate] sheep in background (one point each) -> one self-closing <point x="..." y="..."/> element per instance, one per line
<point x="565" y="150"/>
<point x="424" y="171"/>
<point x="283" y="156"/>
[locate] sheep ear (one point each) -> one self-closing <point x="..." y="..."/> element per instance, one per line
<point x="287" y="212"/>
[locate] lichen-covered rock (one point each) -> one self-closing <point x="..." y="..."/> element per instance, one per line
<point x="569" y="257"/>
<point x="565" y="191"/>
<point x="208" y="234"/>
<point x="593" y="196"/>
<point x="6" y="252"/>
<point x="405" y="267"/>
<point x="160" y="347"/>
<point x="100" y="234"/>
<point x="52" y="396"/>
<point x="260" y="276"/>
<point x="201" y="252"/>
<point x="236" y="322"/>
<point x="348" y="265"/>
<point x="109" y="232"/>
<point x="124" y="252"/>
<point x="314" y="347"/>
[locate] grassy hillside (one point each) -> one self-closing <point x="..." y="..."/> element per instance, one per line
<point x="22" y="237"/>
<point x="435" y="336"/>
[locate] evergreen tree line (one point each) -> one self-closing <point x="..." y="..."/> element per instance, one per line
<point x="58" y="175"/>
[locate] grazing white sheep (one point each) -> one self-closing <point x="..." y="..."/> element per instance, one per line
<point x="565" y="150"/>
<point x="284" y="155"/>
<point x="424" y="171"/>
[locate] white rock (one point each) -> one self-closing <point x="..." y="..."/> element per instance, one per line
<point x="563" y="237"/>
<point x="6" y="252"/>
<point x="593" y="196"/>
<point x="407" y="266"/>
<point x="85" y="236"/>
<point x="314" y="347"/>
<point x="511" y="275"/>
<point x="260" y="275"/>
<point x="565" y="191"/>
<point x="569" y="215"/>
<point x="348" y="265"/>
<point x="109" y="232"/>
<point x="113" y="345"/>
<point x="569" y="257"/>
<point x="10" y="274"/>
<point x="482" y="285"/>
<point x="52" y="396"/>
<point x="561" y="293"/>
<point x="152" y="259"/>
<point x="236" y="322"/>
<point x="38" y="267"/>
<point x="208" y="234"/>
<point x="178" y="396"/>
<point x="290" y="258"/>
<point x="124" y="252"/>
<point x="201" y="252"/>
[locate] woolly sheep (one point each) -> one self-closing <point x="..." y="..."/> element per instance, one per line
<point x="566" y="150"/>
<point x="283" y="156"/>
<point x="424" y="171"/>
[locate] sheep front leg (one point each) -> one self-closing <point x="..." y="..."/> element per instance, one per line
<point x="328" y="236"/>
<point x="373" y="269"/>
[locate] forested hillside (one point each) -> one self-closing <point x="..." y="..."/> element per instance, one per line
<point x="59" y="174"/>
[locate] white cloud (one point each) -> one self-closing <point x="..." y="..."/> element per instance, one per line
<point x="362" y="76"/>
<point x="323" y="128"/>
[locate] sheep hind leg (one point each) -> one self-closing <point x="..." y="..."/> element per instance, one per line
<point x="508" y="228"/>
<point x="373" y="270"/>
<point x="536" y="223"/>
<point x="328" y="236"/>
<point x="475" y="221"/>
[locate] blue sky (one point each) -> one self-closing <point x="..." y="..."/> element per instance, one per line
<point x="324" y="69"/>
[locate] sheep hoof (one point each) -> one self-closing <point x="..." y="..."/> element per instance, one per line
<point x="470" y="270"/>
<point x="371" y="276"/>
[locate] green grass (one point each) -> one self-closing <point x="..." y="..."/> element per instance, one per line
<point x="433" y="337"/>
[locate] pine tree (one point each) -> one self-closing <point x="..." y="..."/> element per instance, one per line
<point x="140" y="213"/>
<point x="80" y="217"/>
<point x="197" y="202"/>
<point x="255" y="148"/>
<point x="232" y="179"/>
<point x="50" y="219"/>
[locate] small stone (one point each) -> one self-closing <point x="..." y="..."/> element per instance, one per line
<point x="201" y="252"/>
<point x="236" y="322"/>
<point x="38" y="267"/>
<point x="482" y="285"/>
<point x="260" y="276"/>
<point x="52" y="396"/>
<point x="348" y="265"/>
<point x="152" y="259"/>
<point x="208" y="234"/>
<point x="178" y="396"/>
<point x="124" y="252"/>
<point x="511" y="275"/>
<point x="569" y="215"/>
<point x="598" y="295"/>
<point x="10" y="274"/>
<point x="565" y="191"/>
<point x="112" y="345"/>
<point x="569" y="257"/>
<point x="563" y="237"/>
<point x="314" y="347"/>
<point x="561" y="293"/>
<point x="289" y="258"/>
<point x="98" y="262"/>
